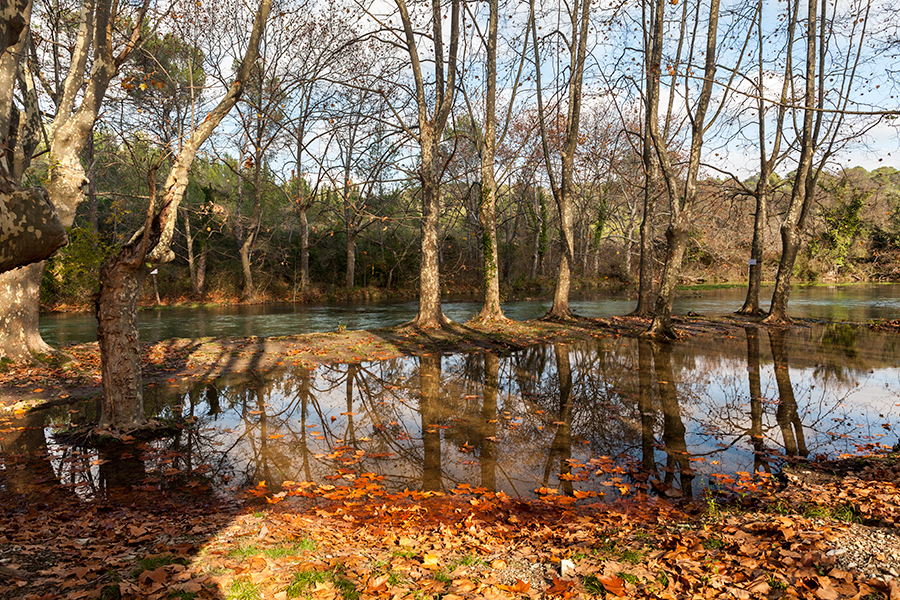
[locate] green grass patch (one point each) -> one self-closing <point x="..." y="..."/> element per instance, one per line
<point x="244" y="590"/>
<point x="713" y="543"/>
<point x="592" y="585"/>
<point x="154" y="561"/>
<point x="628" y="577"/>
<point x="303" y="581"/>
<point x="632" y="556"/>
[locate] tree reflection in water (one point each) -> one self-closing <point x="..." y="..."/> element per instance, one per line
<point x="575" y="416"/>
<point x="786" y="414"/>
<point x="674" y="444"/>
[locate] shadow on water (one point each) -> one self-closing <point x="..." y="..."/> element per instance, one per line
<point x="608" y="418"/>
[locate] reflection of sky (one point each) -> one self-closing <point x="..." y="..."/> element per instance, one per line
<point x="839" y="407"/>
<point x="854" y="303"/>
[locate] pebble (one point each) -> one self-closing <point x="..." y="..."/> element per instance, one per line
<point x="872" y="551"/>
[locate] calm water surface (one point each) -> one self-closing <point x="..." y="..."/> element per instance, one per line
<point x="857" y="303"/>
<point x="606" y="417"/>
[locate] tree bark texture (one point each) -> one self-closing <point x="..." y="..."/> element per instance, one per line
<point x="431" y="129"/>
<point x="30" y="231"/>
<point x="430" y="313"/>
<point x="19" y="293"/>
<point x="117" y="333"/>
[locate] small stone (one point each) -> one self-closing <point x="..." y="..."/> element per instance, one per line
<point x="566" y="568"/>
<point x="836" y="552"/>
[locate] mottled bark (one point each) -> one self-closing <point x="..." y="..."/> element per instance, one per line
<point x="78" y="104"/>
<point x="29" y="228"/>
<point x="430" y="313"/>
<point x="20" y="339"/>
<point x="431" y="128"/>
<point x="117" y="333"/>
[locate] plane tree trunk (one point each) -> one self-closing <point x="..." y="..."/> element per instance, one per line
<point x="122" y="276"/>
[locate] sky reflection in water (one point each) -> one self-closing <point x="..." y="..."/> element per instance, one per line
<point x="590" y="416"/>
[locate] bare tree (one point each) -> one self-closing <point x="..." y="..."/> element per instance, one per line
<point x="122" y="276"/>
<point x="98" y="51"/>
<point x="579" y="17"/>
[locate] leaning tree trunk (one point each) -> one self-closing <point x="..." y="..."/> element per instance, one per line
<point x="122" y="276"/>
<point x="248" y="291"/>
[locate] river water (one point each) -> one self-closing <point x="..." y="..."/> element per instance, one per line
<point x="856" y="303"/>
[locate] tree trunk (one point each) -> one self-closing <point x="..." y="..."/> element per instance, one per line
<point x="20" y="292"/>
<point x="192" y="263"/>
<point x="350" y="276"/>
<point x="801" y="193"/>
<point x="754" y="283"/>
<point x="560" y="308"/>
<point x="201" y="269"/>
<point x="487" y="216"/>
<point x="247" y="292"/>
<point x="117" y="333"/>
<point x="30" y="231"/>
<point x="487" y="198"/>
<point x="304" y="249"/>
<point x="122" y="276"/>
<point x="790" y="247"/>
<point x="645" y="268"/>
<point x="676" y="237"/>
<point x="430" y="313"/>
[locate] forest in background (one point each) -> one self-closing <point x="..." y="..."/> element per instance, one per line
<point x="312" y="188"/>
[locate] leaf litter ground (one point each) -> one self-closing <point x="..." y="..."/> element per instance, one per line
<point x="755" y="537"/>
